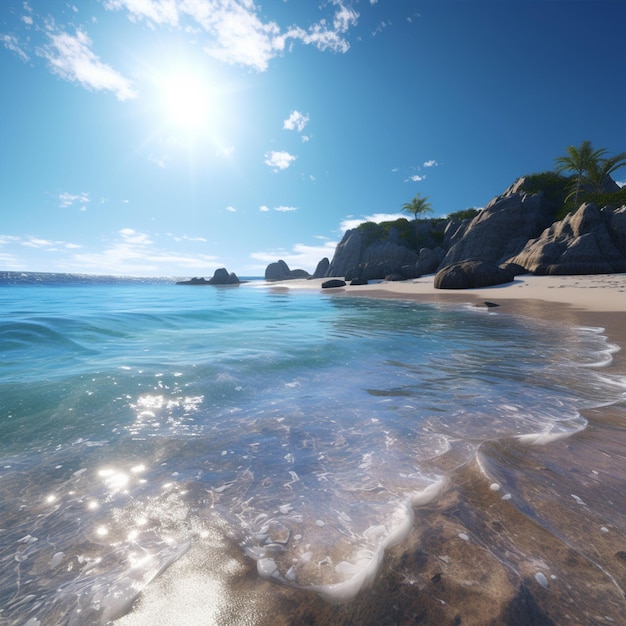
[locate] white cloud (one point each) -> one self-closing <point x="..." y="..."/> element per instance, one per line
<point x="135" y="253"/>
<point x="285" y="209"/>
<point x="431" y="163"/>
<point x="350" y="222"/>
<point x="231" y="209"/>
<point x="279" y="160"/>
<point x="69" y="199"/>
<point x="296" y="120"/>
<point x="300" y="256"/>
<point x="11" y="43"/>
<point x="133" y="237"/>
<point x="621" y="183"/>
<point x="263" y="208"/>
<point x="71" y="58"/>
<point x="236" y="32"/>
<point x="416" y="178"/>
<point x="226" y="151"/>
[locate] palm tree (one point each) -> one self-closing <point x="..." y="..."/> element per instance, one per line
<point x="598" y="172"/>
<point x="579" y="160"/>
<point x="418" y="206"/>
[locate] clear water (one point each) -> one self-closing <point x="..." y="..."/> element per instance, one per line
<point x="136" y="419"/>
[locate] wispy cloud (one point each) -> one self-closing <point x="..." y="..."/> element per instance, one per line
<point x="300" y="256"/>
<point x="351" y="222"/>
<point x="416" y="178"/>
<point x="231" y="209"/>
<point x="285" y="209"/>
<point x="69" y="199"/>
<point x="279" y="160"/>
<point x="136" y="253"/>
<point x="296" y="121"/>
<point x="11" y="43"/>
<point x="71" y="57"/>
<point x="431" y="163"/>
<point x="234" y="31"/>
<point x="47" y="244"/>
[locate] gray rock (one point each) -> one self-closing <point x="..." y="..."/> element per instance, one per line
<point x="333" y="282"/>
<point x="579" y="244"/>
<point x="410" y="271"/>
<point x="501" y="229"/>
<point x="428" y="260"/>
<point x="472" y="274"/>
<point x="347" y="254"/>
<point x="321" y="271"/>
<point x="222" y="277"/>
<point x="277" y="271"/>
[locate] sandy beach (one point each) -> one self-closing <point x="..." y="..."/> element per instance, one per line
<point x="522" y="535"/>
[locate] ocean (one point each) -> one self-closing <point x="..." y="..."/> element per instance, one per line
<point x="143" y="424"/>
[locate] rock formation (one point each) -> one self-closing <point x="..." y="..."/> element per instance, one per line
<point x="590" y="241"/>
<point x="502" y="228"/>
<point x="280" y="271"/>
<point x="220" y="277"/>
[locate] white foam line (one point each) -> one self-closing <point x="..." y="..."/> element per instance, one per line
<point x="368" y="567"/>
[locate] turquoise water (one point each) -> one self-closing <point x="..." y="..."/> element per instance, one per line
<point x="136" y="419"/>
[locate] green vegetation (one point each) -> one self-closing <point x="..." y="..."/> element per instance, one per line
<point x="419" y="206"/>
<point x="466" y="214"/>
<point x="403" y="229"/>
<point x="591" y="170"/>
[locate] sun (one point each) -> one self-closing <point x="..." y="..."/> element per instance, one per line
<point x="186" y="100"/>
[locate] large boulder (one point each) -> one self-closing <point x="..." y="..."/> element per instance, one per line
<point x="471" y="275"/>
<point x="321" y="271"/>
<point x="428" y="260"/>
<point x="222" y="277"/>
<point x="502" y="228"/>
<point x="581" y="243"/>
<point x="280" y="271"/>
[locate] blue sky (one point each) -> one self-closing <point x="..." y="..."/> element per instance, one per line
<point x="173" y="137"/>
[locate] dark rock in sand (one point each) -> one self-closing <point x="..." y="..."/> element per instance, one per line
<point x="409" y="271"/>
<point x="395" y="278"/>
<point x="333" y="282"/>
<point x="472" y="274"/>
<point x="359" y="281"/>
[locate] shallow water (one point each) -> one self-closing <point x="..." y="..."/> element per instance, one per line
<point x="139" y="421"/>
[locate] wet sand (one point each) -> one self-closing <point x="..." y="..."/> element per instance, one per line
<point x="523" y="534"/>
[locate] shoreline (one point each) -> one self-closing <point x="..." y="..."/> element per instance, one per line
<point x="522" y="534"/>
<point x="555" y="553"/>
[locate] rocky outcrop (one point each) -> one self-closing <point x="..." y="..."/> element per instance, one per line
<point x="429" y="259"/>
<point x="590" y="241"/>
<point x="280" y="271"/>
<point x="321" y="271"/>
<point x="472" y="274"/>
<point x="220" y="277"/>
<point x="501" y="229"/>
<point x="347" y="254"/>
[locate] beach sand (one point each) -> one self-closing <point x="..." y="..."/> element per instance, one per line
<point x="554" y="552"/>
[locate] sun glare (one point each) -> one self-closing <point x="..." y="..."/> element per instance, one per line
<point x="186" y="100"/>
